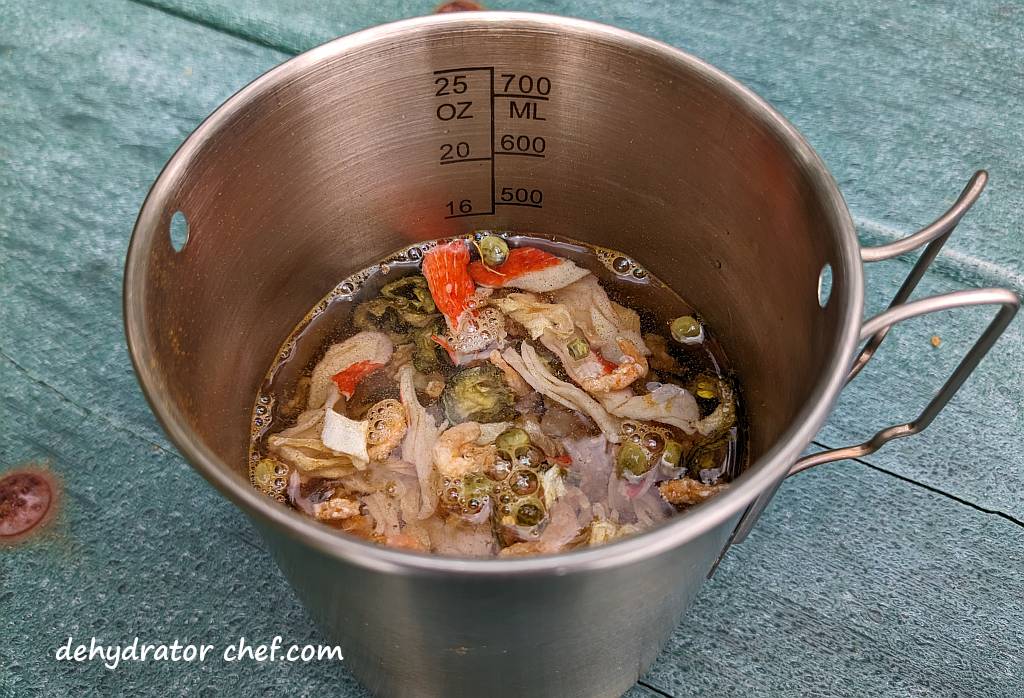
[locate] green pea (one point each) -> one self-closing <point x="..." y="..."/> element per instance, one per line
<point x="684" y="328"/>
<point x="529" y="514"/>
<point x="705" y="388"/>
<point x="578" y="348"/>
<point x="263" y="475"/>
<point x="511" y="440"/>
<point x="633" y="458"/>
<point x="673" y="453"/>
<point x="493" y="251"/>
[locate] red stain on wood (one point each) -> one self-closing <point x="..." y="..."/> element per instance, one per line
<point x="458" y="6"/>
<point x="28" y="500"/>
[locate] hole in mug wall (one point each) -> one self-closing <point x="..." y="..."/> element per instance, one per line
<point x="824" y="285"/>
<point x="178" y="231"/>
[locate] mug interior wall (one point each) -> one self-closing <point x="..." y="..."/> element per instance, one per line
<point x="321" y="174"/>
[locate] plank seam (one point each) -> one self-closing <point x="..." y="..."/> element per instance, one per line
<point x="92" y="413"/>
<point x="654" y="689"/>
<point x="933" y="489"/>
<point x="219" y="28"/>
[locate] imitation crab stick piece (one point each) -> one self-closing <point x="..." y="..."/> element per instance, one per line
<point x="373" y="347"/>
<point x="530" y="269"/>
<point x="445" y="268"/>
<point x="348" y="379"/>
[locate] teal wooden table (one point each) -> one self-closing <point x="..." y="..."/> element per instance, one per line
<point x="900" y="575"/>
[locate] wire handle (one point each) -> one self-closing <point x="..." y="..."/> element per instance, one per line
<point x="880" y="324"/>
<point x="874" y="331"/>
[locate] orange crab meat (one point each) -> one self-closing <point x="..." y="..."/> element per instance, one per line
<point x="445" y="268"/>
<point x="521" y="260"/>
<point x="349" y="378"/>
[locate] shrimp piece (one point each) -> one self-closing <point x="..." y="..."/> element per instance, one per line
<point x="633" y="367"/>
<point x="406" y="541"/>
<point x="687" y="492"/>
<point x="519" y="386"/>
<point x="445" y="268"/>
<point x="456" y="454"/>
<point x="387" y="425"/>
<point x="336" y="508"/>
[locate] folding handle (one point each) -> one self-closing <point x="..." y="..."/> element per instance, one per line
<point x="874" y="331"/>
<point x="880" y="324"/>
<point x="935" y="236"/>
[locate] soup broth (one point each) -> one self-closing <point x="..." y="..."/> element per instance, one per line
<point x="498" y="394"/>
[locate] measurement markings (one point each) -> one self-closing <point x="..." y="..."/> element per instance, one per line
<point x="493" y="185"/>
<point x="460" y="70"/>
<point x="452" y="162"/>
<point x="514" y="96"/>
<point x="524" y="108"/>
<point x="525" y="155"/>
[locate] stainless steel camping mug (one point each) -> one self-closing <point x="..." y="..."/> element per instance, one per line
<point x="446" y="124"/>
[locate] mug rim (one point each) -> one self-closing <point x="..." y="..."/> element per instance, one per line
<point x="761" y="476"/>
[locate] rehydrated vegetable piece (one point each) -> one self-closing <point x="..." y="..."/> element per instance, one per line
<point x="687" y="329"/>
<point x="673" y="454"/>
<point x="706" y="460"/>
<point x="530" y="367"/>
<point x="493" y="251"/>
<point x="270" y="477"/>
<point x="300" y="446"/>
<point x="535" y="315"/>
<point x="632" y="458"/>
<point x="519" y="386"/>
<point x="643" y="445"/>
<point x="604" y="531"/>
<point x="578" y="347"/>
<point x="511" y="442"/>
<point x="667" y="403"/>
<point x="428" y="355"/>
<point x="387" y="427"/>
<point x="723" y="417"/>
<point x="346" y="436"/>
<point x="420" y="437"/>
<point x="478" y="394"/>
<point x="686" y="492"/>
<point x="602" y="321"/>
<point x="410" y="293"/>
<point x="468" y="496"/>
<point x="401" y="307"/>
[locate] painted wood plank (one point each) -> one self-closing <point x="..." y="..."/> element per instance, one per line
<point x="857" y="584"/>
